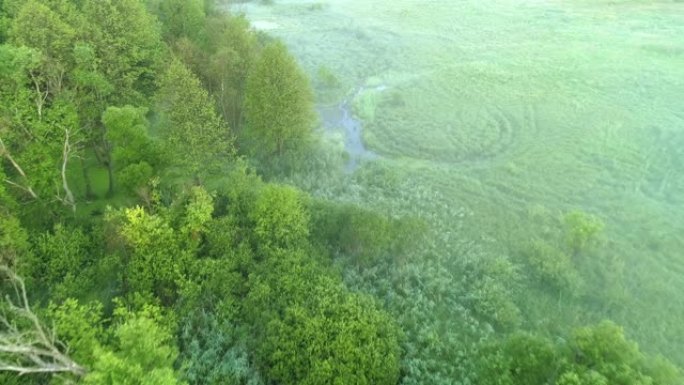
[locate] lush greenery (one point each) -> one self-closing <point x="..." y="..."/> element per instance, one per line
<point x="164" y="219"/>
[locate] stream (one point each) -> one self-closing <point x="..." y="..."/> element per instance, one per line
<point x="340" y="118"/>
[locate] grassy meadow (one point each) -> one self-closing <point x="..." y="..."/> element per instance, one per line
<point x="492" y="120"/>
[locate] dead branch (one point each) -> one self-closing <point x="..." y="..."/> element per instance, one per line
<point x="66" y="153"/>
<point x="26" y="346"/>
<point x="41" y="96"/>
<point x="5" y="152"/>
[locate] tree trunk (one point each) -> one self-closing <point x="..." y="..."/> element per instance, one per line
<point x="86" y="178"/>
<point x="110" y="173"/>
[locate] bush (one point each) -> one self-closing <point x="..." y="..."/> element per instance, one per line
<point x="582" y="230"/>
<point x="279" y="217"/>
<point x="552" y="266"/>
<point x="308" y="330"/>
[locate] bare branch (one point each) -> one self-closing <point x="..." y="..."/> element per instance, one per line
<point x="41" y="96"/>
<point x="5" y="152"/>
<point x="26" y="346"/>
<point x="66" y="153"/>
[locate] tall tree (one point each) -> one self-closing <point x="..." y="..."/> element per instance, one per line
<point x="134" y="154"/>
<point x="39" y="131"/>
<point x="197" y="137"/>
<point x="127" y="41"/>
<point x="278" y="104"/>
<point x="181" y="18"/>
<point x="233" y="48"/>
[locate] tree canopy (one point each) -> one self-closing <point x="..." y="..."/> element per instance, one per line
<point x="278" y="104"/>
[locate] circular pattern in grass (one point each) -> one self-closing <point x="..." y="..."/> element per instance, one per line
<point x="442" y="118"/>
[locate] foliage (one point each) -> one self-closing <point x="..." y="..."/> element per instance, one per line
<point x="553" y="266"/>
<point x="278" y="104"/>
<point x="142" y="353"/>
<point x="491" y="288"/>
<point x="62" y="253"/>
<point x="520" y="359"/>
<point x="598" y="354"/>
<point x="215" y="353"/>
<point x="14" y="243"/>
<point x="197" y="137"/>
<point x="582" y="230"/>
<point x="80" y="327"/>
<point x="127" y="132"/>
<point x="182" y="18"/>
<point x="312" y="331"/>
<point x="155" y="260"/>
<point x="269" y="284"/>
<point x="127" y="40"/>
<point x="363" y="235"/>
<point x="280" y="220"/>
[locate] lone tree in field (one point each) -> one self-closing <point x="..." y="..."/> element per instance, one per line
<point x="278" y="104"/>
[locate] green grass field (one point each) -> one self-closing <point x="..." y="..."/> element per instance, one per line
<point x="496" y="116"/>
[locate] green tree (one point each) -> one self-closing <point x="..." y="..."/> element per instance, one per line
<point x="181" y="18"/>
<point x="60" y="255"/>
<point x="142" y="354"/>
<point x="595" y="355"/>
<point x="215" y="353"/>
<point x="80" y="327"/>
<point x="233" y="49"/>
<point x="280" y="220"/>
<point x="552" y="266"/>
<point x="38" y="27"/>
<point x="278" y="104"/>
<point x="581" y="230"/>
<point x="90" y="91"/>
<point x="604" y="349"/>
<point x="154" y="260"/>
<point x="37" y="139"/>
<point x="134" y="154"/>
<point x="127" y="41"/>
<point x="309" y="330"/>
<point x="197" y="138"/>
<point x="522" y="359"/>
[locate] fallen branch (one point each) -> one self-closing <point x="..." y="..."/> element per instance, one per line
<point x="29" y="348"/>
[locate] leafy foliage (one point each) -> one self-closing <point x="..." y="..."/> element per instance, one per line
<point x="280" y="220"/>
<point x="198" y="138"/>
<point x="598" y="354"/>
<point x="278" y="104"/>
<point x="142" y="353"/>
<point x="308" y="330"/>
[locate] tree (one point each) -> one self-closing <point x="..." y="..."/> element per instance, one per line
<point x="39" y="131"/>
<point x="582" y="230"/>
<point x="280" y="220"/>
<point x="307" y="329"/>
<point x="197" y="137"/>
<point x="134" y="155"/>
<point x="595" y="355"/>
<point x="142" y="353"/>
<point x="233" y="48"/>
<point x="522" y="359"/>
<point x="153" y="256"/>
<point x="182" y="18"/>
<point x="127" y="41"/>
<point x="278" y="104"/>
<point x="38" y="27"/>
